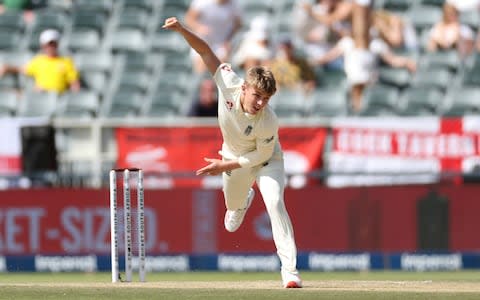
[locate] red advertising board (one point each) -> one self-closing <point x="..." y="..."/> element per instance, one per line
<point x="78" y="222"/>
<point x="180" y="151"/>
<point x="191" y="221"/>
<point x="378" y="151"/>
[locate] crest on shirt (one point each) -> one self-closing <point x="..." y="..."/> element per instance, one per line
<point x="268" y="140"/>
<point x="229" y="104"/>
<point x="248" y="130"/>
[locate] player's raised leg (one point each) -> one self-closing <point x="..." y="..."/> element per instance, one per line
<point x="238" y="196"/>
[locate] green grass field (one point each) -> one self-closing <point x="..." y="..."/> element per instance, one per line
<point x="232" y="286"/>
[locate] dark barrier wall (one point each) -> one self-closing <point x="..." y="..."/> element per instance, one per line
<point x="191" y="221"/>
<point x="38" y="149"/>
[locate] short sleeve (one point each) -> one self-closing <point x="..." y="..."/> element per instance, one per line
<point x="31" y="67"/>
<point x="72" y="73"/>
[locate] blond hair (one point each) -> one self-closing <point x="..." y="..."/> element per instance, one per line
<point x="261" y="79"/>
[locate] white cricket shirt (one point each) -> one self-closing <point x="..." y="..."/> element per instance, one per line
<point x="252" y="139"/>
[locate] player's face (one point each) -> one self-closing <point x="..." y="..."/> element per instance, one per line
<point x="253" y="99"/>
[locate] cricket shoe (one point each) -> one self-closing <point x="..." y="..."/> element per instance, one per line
<point x="234" y="218"/>
<point x="291" y="280"/>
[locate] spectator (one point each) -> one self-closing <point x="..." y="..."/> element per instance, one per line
<point x="361" y="23"/>
<point x="449" y="33"/>
<point x="51" y="72"/>
<point x="318" y="26"/>
<point x="361" y="53"/>
<point x="254" y="49"/>
<point x="335" y="14"/>
<point x="361" y="64"/>
<point x="26" y="6"/>
<point x="291" y="70"/>
<point x="215" y="21"/>
<point x="395" y="31"/>
<point x="205" y="103"/>
<point x="465" y="5"/>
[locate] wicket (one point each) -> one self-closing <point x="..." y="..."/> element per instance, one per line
<point x="127" y="224"/>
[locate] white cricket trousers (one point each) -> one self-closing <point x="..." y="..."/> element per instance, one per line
<point x="270" y="180"/>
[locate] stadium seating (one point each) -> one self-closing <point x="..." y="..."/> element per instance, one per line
<point x="79" y="105"/>
<point x="327" y="102"/>
<point x="395" y="76"/>
<point x="418" y="101"/>
<point x="83" y="40"/>
<point x="12" y="21"/>
<point x="89" y="21"/>
<point x="128" y="40"/>
<point x="9" y="82"/>
<point x="437" y="3"/>
<point x="138" y="81"/>
<point x="9" y="40"/>
<point x="167" y="41"/>
<point x="143" y="61"/>
<point x="439" y="78"/>
<point x="441" y="59"/>
<point x="331" y="78"/>
<point x="396" y="5"/>
<point x="380" y="100"/>
<point x="94" y="61"/>
<point x="120" y="45"/>
<point x="96" y="81"/>
<point x="124" y="103"/>
<point x="253" y="8"/>
<point x="163" y="104"/>
<point x="134" y="19"/>
<point x="471" y="76"/>
<point x="462" y="101"/>
<point x="146" y="5"/>
<point x="289" y="102"/>
<point x="8" y="103"/>
<point x="37" y="104"/>
<point x="471" y="18"/>
<point x="423" y="17"/>
<point x="103" y="6"/>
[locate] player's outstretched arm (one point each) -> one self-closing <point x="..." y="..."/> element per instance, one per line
<point x="217" y="166"/>
<point x="203" y="49"/>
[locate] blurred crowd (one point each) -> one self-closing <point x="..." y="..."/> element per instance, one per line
<point x="322" y="37"/>
<point x="349" y="37"/>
